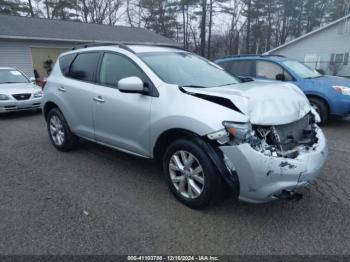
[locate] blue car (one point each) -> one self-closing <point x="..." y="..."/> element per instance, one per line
<point x="329" y="95"/>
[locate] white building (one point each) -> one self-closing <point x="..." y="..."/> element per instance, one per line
<point x="326" y="48"/>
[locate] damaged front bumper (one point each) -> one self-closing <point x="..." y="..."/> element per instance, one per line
<point x="263" y="178"/>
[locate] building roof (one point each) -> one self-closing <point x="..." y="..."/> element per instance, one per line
<point x="19" y="27"/>
<point x="309" y="34"/>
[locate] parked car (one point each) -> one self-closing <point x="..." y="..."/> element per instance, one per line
<point x="18" y="92"/>
<point x="203" y="126"/>
<point x="328" y="95"/>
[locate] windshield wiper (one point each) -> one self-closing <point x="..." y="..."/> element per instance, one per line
<point x="9" y="82"/>
<point x="312" y="77"/>
<point x="229" y="84"/>
<point x="194" y="86"/>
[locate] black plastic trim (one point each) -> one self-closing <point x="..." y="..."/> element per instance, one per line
<point x="214" y="153"/>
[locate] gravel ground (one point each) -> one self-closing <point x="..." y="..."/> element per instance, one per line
<point x="99" y="201"/>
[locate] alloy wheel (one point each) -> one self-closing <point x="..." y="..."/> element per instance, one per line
<point x="186" y="174"/>
<point x="57" y="130"/>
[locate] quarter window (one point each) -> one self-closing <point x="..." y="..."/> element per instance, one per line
<point x="65" y="62"/>
<point x="84" y="67"/>
<point x="116" y="67"/>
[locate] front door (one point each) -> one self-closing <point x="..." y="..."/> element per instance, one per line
<point x="121" y="119"/>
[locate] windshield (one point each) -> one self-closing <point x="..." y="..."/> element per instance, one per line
<point x="301" y="70"/>
<point x="12" y="76"/>
<point x="186" y="69"/>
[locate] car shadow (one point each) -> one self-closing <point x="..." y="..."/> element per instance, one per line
<point x="337" y="122"/>
<point x="16" y="115"/>
<point x="225" y="204"/>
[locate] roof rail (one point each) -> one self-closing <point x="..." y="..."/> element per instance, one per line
<point x="123" y="45"/>
<point x="158" y="44"/>
<point x="251" y="55"/>
<point x="273" y="55"/>
<point x="120" y="45"/>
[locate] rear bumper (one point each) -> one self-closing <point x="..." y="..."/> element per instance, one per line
<point x="15" y="105"/>
<point x="263" y="177"/>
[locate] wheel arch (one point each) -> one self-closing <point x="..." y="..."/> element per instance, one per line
<point x="48" y="106"/>
<point x="324" y="100"/>
<point x="167" y="137"/>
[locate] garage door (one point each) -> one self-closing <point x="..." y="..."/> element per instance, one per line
<point x="44" y="59"/>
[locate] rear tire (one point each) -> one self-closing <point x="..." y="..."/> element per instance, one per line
<point x="195" y="184"/>
<point x="321" y="108"/>
<point x="59" y="132"/>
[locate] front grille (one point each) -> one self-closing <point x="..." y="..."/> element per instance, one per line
<point x="287" y="137"/>
<point x="291" y="134"/>
<point x="22" y="96"/>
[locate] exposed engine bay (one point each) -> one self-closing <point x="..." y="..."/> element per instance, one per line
<point x="285" y="140"/>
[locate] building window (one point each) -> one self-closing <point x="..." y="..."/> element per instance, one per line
<point x="340" y="59"/>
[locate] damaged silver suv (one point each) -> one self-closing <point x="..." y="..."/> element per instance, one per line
<point x="206" y="128"/>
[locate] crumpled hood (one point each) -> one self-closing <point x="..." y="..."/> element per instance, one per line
<point x="18" y="88"/>
<point x="265" y="103"/>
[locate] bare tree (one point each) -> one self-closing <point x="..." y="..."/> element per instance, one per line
<point x="210" y="26"/>
<point x="31" y="9"/>
<point x="100" y="11"/>
<point x="203" y="25"/>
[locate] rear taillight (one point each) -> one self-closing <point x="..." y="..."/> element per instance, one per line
<point x="43" y="83"/>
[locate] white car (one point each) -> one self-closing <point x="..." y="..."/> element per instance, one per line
<point x="18" y="92"/>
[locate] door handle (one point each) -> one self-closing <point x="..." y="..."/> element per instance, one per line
<point x="99" y="99"/>
<point x="62" y="89"/>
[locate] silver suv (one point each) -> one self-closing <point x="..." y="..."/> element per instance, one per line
<point x="207" y="129"/>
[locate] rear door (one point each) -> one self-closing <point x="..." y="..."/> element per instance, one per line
<point x="121" y="119"/>
<point x="77" y="92"/>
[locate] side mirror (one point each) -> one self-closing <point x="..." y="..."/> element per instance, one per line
<point x="280" y="77"/>
<point x="131" y="85"/>
<point x="32" y="79"/>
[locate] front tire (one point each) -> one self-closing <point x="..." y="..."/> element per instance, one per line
<point x="59" y="132"/>
<point x="321" y="108"/>
<point x="190" y="174"/>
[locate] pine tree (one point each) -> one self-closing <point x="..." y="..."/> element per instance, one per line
<point x="160" y="17"/>
<point x="12" y="7"/>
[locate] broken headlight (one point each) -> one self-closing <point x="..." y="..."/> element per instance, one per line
<point x="238" y="131"/>
<point x="235" y="132"/>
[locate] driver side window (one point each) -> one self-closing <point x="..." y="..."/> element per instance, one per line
<point x="115" y="67"/>
<point x="270" y="70"/>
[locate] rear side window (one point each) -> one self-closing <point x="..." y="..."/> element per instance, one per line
<point x="84" y="67"/>
<point x="65" y="62"/>
<point x="242" y="68"/>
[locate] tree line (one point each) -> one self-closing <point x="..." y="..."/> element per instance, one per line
<point x="211" y="28"/>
